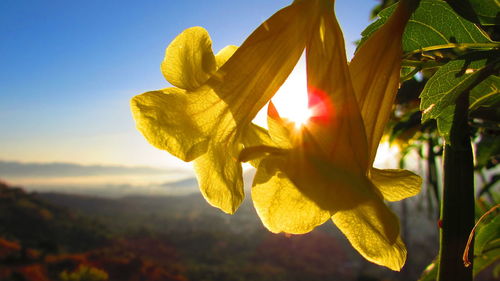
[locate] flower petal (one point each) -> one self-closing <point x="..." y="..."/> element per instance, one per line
<point x="223" y="55"/>
<point x="189" y="60"/>
<point x="375" y="73"/>
<point x="336" y="124"/>
<point x="180" y="122"/>
<point x="361" y="215"/>
<point x="281" y="206"/>
<point x="396" y="184"/>
<point x="253" y="74"/>
<point x="257" y="144"/>
<point x="219" y="177"/>
<point x="279" y="129"/>
<point x="373" y="230"/>
<point x="160" y="117"/>
<point x="294" y="192"/>
<point x="211" y="118"/>
<point x="254" y="135"/>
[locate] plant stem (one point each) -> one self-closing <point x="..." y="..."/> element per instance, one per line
<point x="480" y="46"/>
<point x="432" y="178"/>
<point x="457" y="203"/>
<point x="422" y="64"/>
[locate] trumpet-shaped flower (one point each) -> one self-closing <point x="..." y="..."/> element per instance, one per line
<point x="305" y="176"/>
<point x="323" y="170"/>
<point x="207" y="116"/>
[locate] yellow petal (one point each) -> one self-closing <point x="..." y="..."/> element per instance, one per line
<point x="281" y="206"/>
<point x="373" y="230"/>
<point x="180" y="122"/>
<point x="189" y="60"/>
<point x="207" y="123"/>
<point x="257" y="144"/>
<point x="396" y="184"/>
<point x="336" y="124"/>
<point x="219" y="177"/>
<point x="361" y="215"/>
<point x="253" y="74"/>
<point x="375" y="75"/>
<point x="161" y="118"/>
<point x="279" y="131"/>
<point x="223" y="55"/>
<point x="254" y="135"/>
<point x="295" y="192"/>
<point x="254" y="154"/>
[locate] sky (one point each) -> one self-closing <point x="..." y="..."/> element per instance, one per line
<point x="69" y="69"/>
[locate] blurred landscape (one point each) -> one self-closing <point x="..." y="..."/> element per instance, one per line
<point x="99" y="180"/>
<point x="164" y="230"/>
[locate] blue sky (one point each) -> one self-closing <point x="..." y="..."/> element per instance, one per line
<point x="69" y="69"/>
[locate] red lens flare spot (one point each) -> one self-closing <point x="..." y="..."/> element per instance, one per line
<point x="321" y="107"/>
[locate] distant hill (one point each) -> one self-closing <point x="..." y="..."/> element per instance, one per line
<point x="159" y="213"/>
<point x="103" y="181"/>
<point x="37" y="224"/>
<point x="185" y="183"/>
<point x="40" y="241"/>
<point x="112" y="181"/>
<point x="181" y="238"/>
<point x="18" y="169"/>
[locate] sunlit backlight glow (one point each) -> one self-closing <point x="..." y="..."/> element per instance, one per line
<point x="388" y="156"/>
<point x="291" y="98"/>
<point x="301" y="118"/>
<point x="298" y="104"/>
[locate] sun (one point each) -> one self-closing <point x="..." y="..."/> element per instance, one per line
<point x="291" y="98"/>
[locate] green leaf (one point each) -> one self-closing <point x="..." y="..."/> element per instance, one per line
<point x="486" y="149"/>
<point x="487" y="258"/>
<point x="486" y="94"/>
<point x="434" y="23"/>
<point x="485" y="12"/>
<point x="408" y="72"/>
<point x="461" y="74"/>
<point x="483" y="257"/>
<point x="490" y="232"/>
<point x="487" y="245"/>
<point x="444" y="122"/>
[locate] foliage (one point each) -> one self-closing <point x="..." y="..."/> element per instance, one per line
<point x="483" y="12"/>
<point x="463" y="73"/>
<point x="449" y="46"/>
<point x="37" y="224"/>
<point x="84" y="273"/>
<point x="487" y="244"/>
<point x="426" y="32"/>
<point x="181" y="238"/>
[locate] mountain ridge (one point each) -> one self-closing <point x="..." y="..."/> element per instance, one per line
<point x="51" y="169"/>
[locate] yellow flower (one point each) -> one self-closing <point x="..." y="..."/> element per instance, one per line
<point x="207" y="116"/>
<point x="305" y="176"/>
<point x="323" y="170"/>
